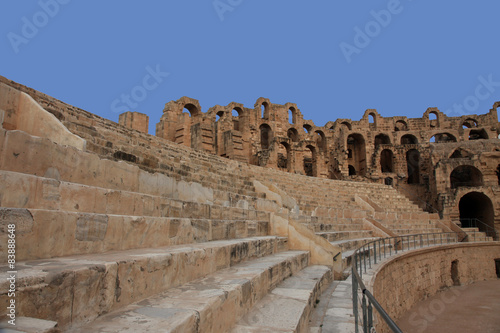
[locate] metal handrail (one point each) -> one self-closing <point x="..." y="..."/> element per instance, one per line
<point x="383" y="248"/>
<point x="490" y="231"/>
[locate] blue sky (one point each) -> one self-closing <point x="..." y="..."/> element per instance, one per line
<point x="334" y="59"/>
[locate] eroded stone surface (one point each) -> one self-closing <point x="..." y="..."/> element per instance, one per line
<point x="21" y="218"/>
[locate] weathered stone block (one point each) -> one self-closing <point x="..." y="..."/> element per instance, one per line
<point x="91" y="227"/>
<point x="21" y="218"/>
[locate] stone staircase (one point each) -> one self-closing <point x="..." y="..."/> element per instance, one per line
<point x="109" y="245"/>
<point x="347" y="213"/>
<point x="83" y="239"/>
<point x="127" y="231"/>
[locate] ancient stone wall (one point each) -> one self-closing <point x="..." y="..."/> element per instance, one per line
<point x="414" y="276"/>
<point x="392" y="150"/>
<point x="417" y="155"/>
<point x="134" y="120"/>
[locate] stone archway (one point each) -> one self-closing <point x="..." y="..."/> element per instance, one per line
<point x="466" y="176"/>
<point x="477" y="205"/>
<point x="387" y="161"/>
<point x="356" y="143"/>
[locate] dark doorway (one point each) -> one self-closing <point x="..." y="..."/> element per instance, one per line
<point x="386" y="161"/>
<point x="356" y="143"/>
<point x="265" y="136"/>
<point x="476" y="210"/>
<point x="455" y="277"/>
<point x="413" y="166"/>
<point x="352" y="171"/>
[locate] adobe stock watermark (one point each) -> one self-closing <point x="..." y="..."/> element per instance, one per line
<point x="371" y="30"/>
<point x="150" y="82"/>
<point x="486" y="87"/>
<point x="421" y="318"/>
<point x="225" y="6"/>
<point x="31" y="26"/>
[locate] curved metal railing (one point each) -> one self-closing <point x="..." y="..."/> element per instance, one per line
<point x="382" y="248"/>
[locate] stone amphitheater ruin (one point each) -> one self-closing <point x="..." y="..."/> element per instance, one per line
<point x="232" y="220"/>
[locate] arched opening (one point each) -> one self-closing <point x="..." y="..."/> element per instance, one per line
<point x="386" y="161"/>
<point x="307" y="128"/>
<point x="320" y="140"/>
<point x="356" y="143"/>
<point x="310" y="161"/>
<point x="265" y="110"/>
<point x="352" y="170"/>
<point x="265" y="136"/>
<point x="371" y="118"/>
<point x="236" y="118"/>
<point x="191" y="109"/>
<point x="184" y="135"/>
<point x="443" y="138"/>
<point x="218" y="133"/>
<point x="460" y="153"/>
<point x="476" y="210"/>
<point x="413" y="166"/>
<point x="400" y="126"/>
<point x="382" y="139"/>
<point x="292" y="115"/>
<point x="466" y="176"/>
<point x="409" y="139"/>
<point x="433" y="119"/>
<point x="218" y="116"/>
<point x="293" y="134"/>
<point x="469" y="123"/>
<point x="284" y="160"/>
<point x="346" y="126"/>
<point x="478" y="135"/>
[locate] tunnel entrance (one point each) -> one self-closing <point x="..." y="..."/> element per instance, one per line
<point x="476" y="210"/>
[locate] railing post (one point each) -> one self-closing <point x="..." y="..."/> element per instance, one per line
<point x="370" y="316"/>
<point x="364" y="257"/>
<point x="374" y="253"/>
<point x="365" y="321"/>
<point x="384" y="248"/>
<point x="355" y="300"/>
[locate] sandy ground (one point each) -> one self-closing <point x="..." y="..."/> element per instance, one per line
<point x="472" y="308"/>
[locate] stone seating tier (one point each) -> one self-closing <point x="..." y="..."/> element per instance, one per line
<point x="78" y="289"/>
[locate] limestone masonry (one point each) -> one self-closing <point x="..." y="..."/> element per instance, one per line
<point x="232" y="220"/>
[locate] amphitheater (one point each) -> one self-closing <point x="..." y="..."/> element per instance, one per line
<point x="236" y="219"/>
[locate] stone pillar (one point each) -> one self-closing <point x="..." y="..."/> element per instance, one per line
<point x="135" y="120"/>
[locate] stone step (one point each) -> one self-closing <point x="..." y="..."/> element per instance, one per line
<point x="411" y="231"/>
<point x="338" y="315"/>
<point x="210" y="304"/>
<point x="30" y="191"/>
<point x="78" y="289"/>
<point x="288" y="307"/>
<point x="343" y="235"/>
<point x="85" y="233"/>
<point x="78" y="167"/>
<point x="352" y="244"/>
<point x="330" y="227"/>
